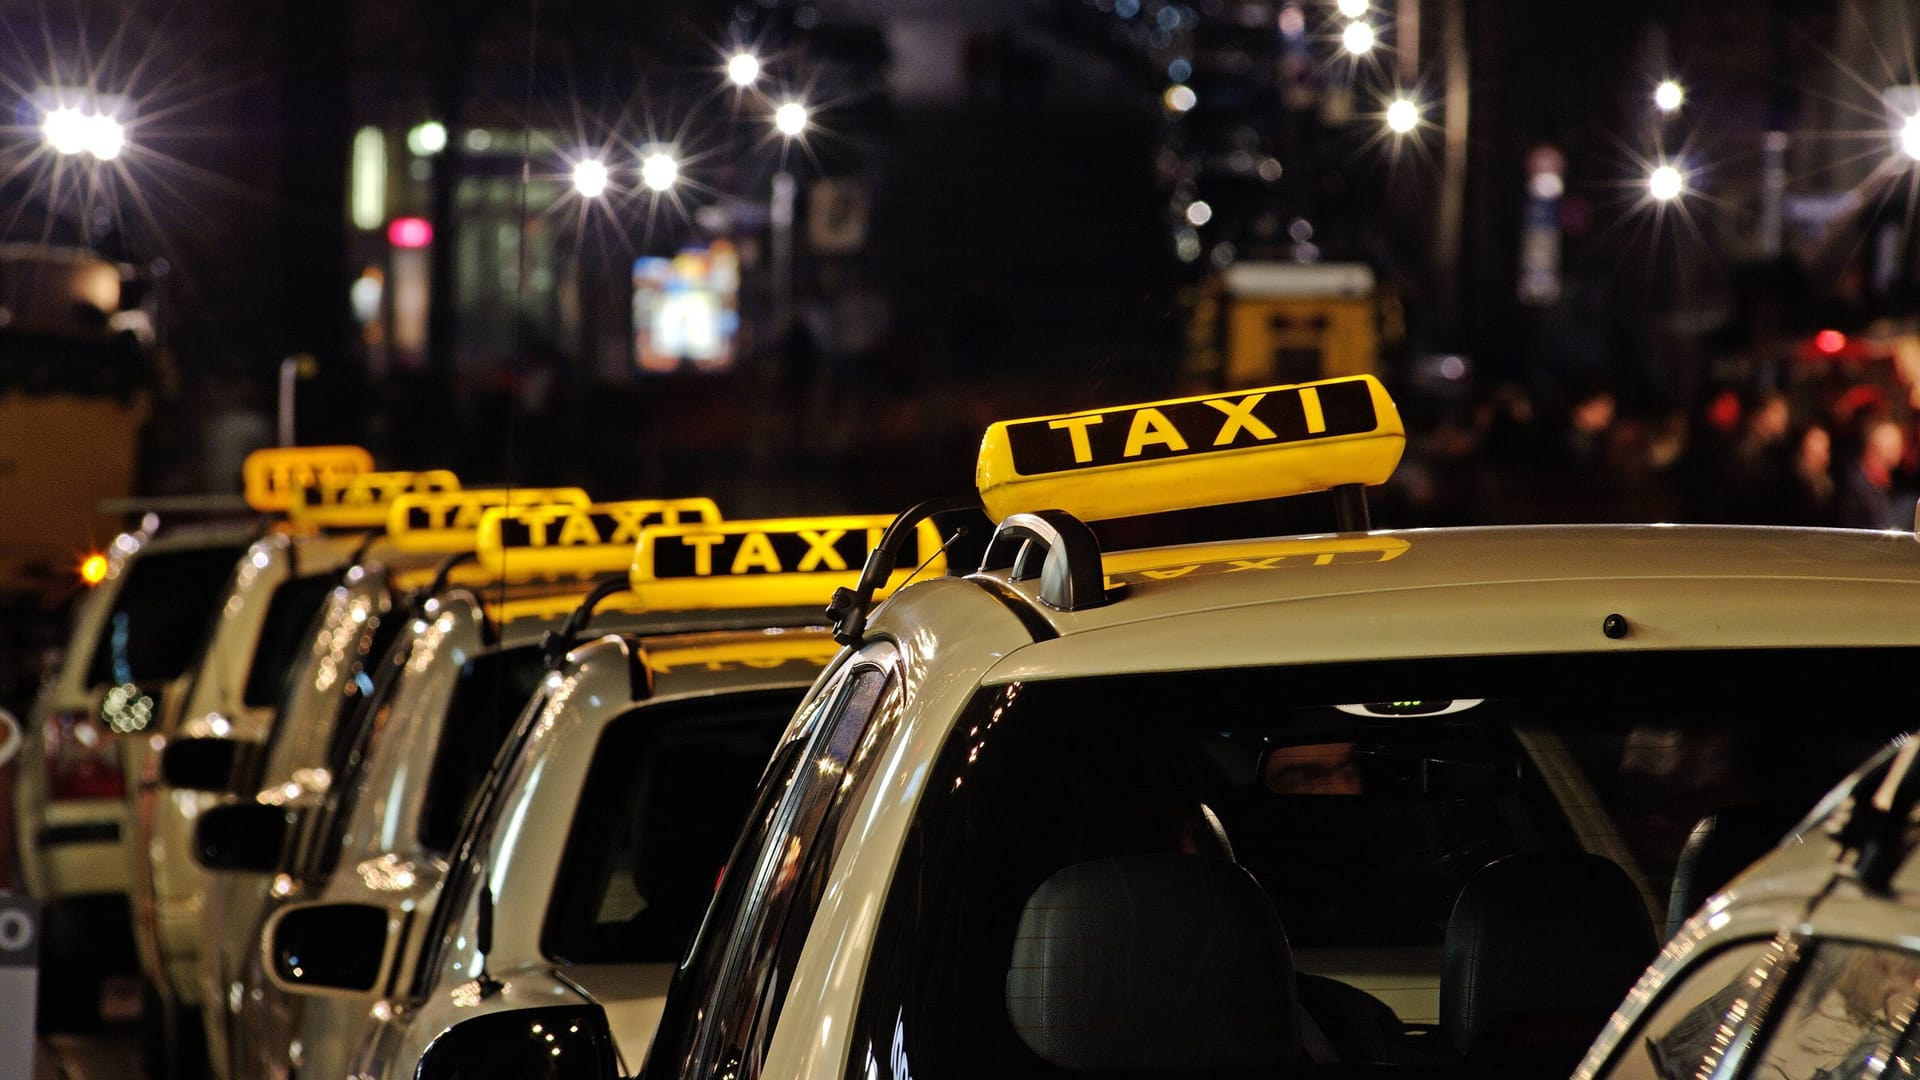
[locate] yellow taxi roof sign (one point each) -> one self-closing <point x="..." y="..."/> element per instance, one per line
<point x="773" y="563"/>
<point x="362" y="501"/>
<point x="450" y="520"/>
<point x="271" y="475"/>
<point x="1207" y="450"/>
<point x="568" y="540"/>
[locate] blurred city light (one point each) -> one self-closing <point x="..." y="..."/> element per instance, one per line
<point x="1402" y="116"/>
<point x="1830" y="342"/>
<point x="743" y="69"/>
<point x="72" y="131"/>
<point x="590" y="178"/>
<point x="1179" y="98"/>
<point x="427" y="139"/>
<point x="790" y="119"/>
<point x="659" y="170"/>
<point x="1199" y="212"/>
<point x="1665" y="183"/>
<point x="1668" y="95"/>
<point x="1353" y="9"/>
<point x="1910" y="137"/>
<point x="1357" y="38"/>
<point x="410" y="232"/>
<point x="93" y="568"/>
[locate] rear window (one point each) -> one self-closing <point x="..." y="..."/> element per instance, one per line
<point x="664" y="798"/>
<point x="286" y="631"/>
<point x="160" y="614"/>
<point x="493" y="690"/>
<point x="1356" y="801"/>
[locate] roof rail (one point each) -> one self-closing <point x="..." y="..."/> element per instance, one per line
<point x="1055" y="547"/>
<point x="848" y="608"/>
<point x="555" y="644"/>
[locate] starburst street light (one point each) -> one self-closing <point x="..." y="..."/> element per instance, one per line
<point x="91" y="127"/>
<point x="790" y="119"/>
<point x="743" y="69"/>
<point x="1352" y="9"/>
<point x="590" y="178"/>
<point x="1402" y="116"/>
<point x="1668" y="96"/>
<point x="1357" y="38"/>
<point x="659" y="170"/>
<point x="1665" y="183"/>
<point x="1910" y="137"/>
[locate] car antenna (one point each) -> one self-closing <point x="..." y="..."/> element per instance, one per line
<point x="483" y="942"/>
<point x="848" y="609"/>
<point x="1876" y="833"/>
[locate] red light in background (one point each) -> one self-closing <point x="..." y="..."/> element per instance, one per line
<point x="410" y="232"/>
<point x="1829" y="341"/>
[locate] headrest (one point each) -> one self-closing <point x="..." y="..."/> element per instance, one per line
<point x="1721" y="845"/>
<point x="1163" y="961"/>
<point x="1539" y="950"/>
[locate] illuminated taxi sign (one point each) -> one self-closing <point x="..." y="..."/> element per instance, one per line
<point x="1203" y="560"/>
<point x="270" y="476"/>
<point x="558" y="540"/>
<point x="773" y="563"/>
<point x="362" y="501"/>
<point x="1191" y="452"/>
<point x="450" y="521"/>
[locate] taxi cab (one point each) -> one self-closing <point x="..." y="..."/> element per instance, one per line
<point x="292" y="768"/>
<point x="261" y="618"/>
<point x="124" y="666"/>
<point x="1360" y="799"/>
<point x="584" y="870"/>
<point x="403" y="765"/>
<point x="1804" y="964"/>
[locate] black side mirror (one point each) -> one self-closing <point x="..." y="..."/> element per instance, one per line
<point x="210" y="765"/>
<point x="560" y="1042"/>
<point x="331" y="949"/>
<point x="242" y="836"/>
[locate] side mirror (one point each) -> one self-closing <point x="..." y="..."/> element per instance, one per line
<point x="242" y="836"/>
<point x="563" y="1042"/>
<point x="210" y="765"/>
<point x="9" y="736"/>
<point x="331" y="949"/>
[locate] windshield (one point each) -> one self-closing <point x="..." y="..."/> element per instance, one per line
<point x="1359" y="803"/>
<point x="159" y="614"/>
<point x="284" y="634"/>
<point x="493" y="689"/>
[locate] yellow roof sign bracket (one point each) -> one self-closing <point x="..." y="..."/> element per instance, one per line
<point x="1055" y="547"/>
<point x="848" y="608"/>
<point x="555" y="644"/>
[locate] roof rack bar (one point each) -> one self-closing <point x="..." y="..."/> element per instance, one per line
<point x="554" y="644"/>
<point x="848" y="608"/>
<point x="1876" y="829"/>
<point x="1055" y="547"/>
<point x="442" y="572"/>
<point x="1350" y="508"/>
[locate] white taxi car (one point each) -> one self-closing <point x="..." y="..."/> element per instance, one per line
<point x="124" y="667"/>
<point x="1361" y="800"/>
<point x="406" y="763"/>
<point x="1804" y="963"/>
<point x="584" y="870"/>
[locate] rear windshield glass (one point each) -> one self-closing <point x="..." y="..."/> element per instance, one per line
<point x="666" y="794"/>
<point x="160" y="614"/>
<point x="287" y="630"/>
<point x="493" y="690"/>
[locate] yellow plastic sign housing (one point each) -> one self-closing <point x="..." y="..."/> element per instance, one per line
<point x="773" y="563"/>
<point x="362" y="501"/>
<point x="1208" y="450"/>
<point x="450" y="521"/>
<point x="563" y="540"/>
<point x="271" y="476"/>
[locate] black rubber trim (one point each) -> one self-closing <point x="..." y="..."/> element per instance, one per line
<point x="97" y="833"/>
<point x="1023" y="608"/>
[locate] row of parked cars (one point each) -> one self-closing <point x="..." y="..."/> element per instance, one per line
<point x="413" y="779"/>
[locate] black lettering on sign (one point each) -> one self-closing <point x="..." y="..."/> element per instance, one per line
<point x="802" y="551"/>
<point x="576" y="527"/>
<point x="1226" y="422"/>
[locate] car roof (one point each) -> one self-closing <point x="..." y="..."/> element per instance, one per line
<point x="1472" y="591"/>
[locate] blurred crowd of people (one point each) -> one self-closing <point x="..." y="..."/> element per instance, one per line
<point x="1840" y="449"/>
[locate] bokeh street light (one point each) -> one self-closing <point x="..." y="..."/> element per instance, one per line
<point x="1179" y="98"/>
<point x="1199" y="212"/>
<point x="790" y="119"/>
<point x="590" y="178"/>
<point x="1357" y="38"/>
<point x="1668" y="96"/>
<point x="743" y="69"/>
<point x="659" y="170"/>
<point x="1665" y="183"/>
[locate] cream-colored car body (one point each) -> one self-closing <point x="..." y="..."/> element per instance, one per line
<point x="169" y="887"/>
<point x="525" y="834"/>
<point x="1498" y="592"/>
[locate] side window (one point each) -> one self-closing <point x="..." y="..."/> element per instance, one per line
<point x="1704" y="1024"/>
<point x="1851" y="1016"/>
<point x="776" y="877"/>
